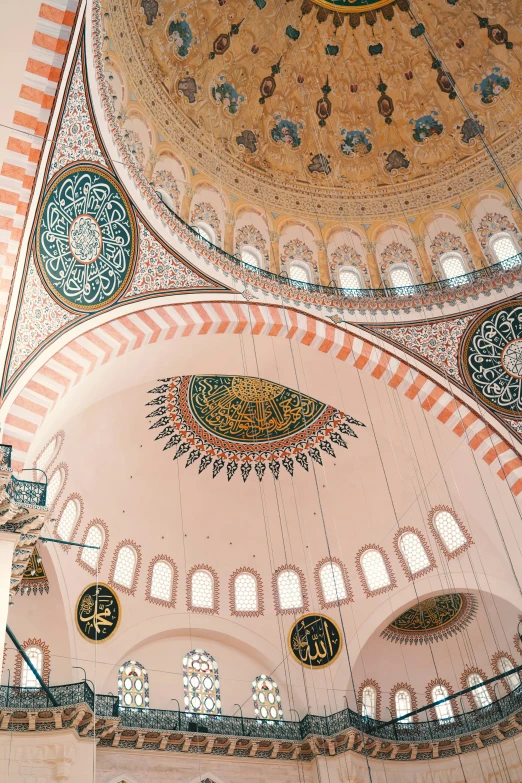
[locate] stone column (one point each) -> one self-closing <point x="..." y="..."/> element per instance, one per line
<point x="473" y="244"/>
<point x="275" y="262"/>
<point x="516" y="212"/>
<point x="186" y="202"/>
<point x="427" y="271"/>
<point x="373" y="266"/>
<point x="230" y="222"/>
<point x="8" y="542"/>
<point x="322" y="262"/>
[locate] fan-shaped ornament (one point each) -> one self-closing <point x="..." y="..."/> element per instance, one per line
<point x="432" y="619"/>
<point x="235" y="421"/>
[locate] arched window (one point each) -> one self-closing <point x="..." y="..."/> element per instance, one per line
<point x="403" y="705"/>
<point x="349" y="278"/>
<point x="512" y="681"/>
<point x="49" y="452"/>
<point x="202" y="589"/>
<point x="162" y="581"/>
<point x="452" y="535"/>
<point x="453" y="265"/>
<point x="125" y="567"/>
<point x="503" y="248"/>
<point x="444" y="711"/>
<point x="201" y="683"/>
<point x="333" y="586"/>
<point x="375" y="573"/>
<point x="401" y="276"/>
<point x="289" y="590"/>
<point x="36" y="656"/>
<point x="205" y="231"/>
<point x="481" y="695"/>
<point x="251" y="256"/>
<point x="246" y="597"/>
<point x="267" y="701"/>
<point x="68" y="519"/>
<point x="369" y="702"/>
<point x="298" y="270"/>
<point x="55" y="485"/>
<point x="133" y="685"/>
<point x="413" y="553"/>
<point x="95" y="538"/>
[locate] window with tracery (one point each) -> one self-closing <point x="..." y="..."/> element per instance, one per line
<point x="403" y="705"/>
<point x="376" y="574"/>
<point x="125" y="566"/>
<point x="400" y="276"/>
<point x="449" y="531"/>
<point x="299" y="272"/>
<point x="68" y="519"/>
<point x="349" y="278"/>
<point x="55" y="485"/>
<point x="246" y="592"/>
<point x="503" y="248"/>
<point x="369" y="702"/>
<point x="453" y="266"/>
<point x="289" y="590"/>
<point x="444" y="711"/>
<point x="162" y="581"/>
<point x="512" y="680"/>
<point x="201" y="683"/>
<point x="332" y="582"/>
<point x="267" y="701"/>
<point x="133" y="685"/>
<point x="94" y="538"/>
<point x="480" y="695"/>
<point x="202" y="589"/>
<point x="36" y="656"/>
<point x="413" y="552"/>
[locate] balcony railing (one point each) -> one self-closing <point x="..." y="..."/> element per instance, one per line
<point x="5" y="456"/>
<point x="30" y="494"/>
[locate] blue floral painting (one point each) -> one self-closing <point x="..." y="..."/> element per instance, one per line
<point x="492" y="85"/>
<point x="426" y="126"/>
<point x="287" y="132"/>
<point x="356" y="141"/>
<point x="227" y="95"/>
<point x="181" y="35"/>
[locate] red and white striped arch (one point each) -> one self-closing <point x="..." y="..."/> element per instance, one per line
<point x="104" y="343"/>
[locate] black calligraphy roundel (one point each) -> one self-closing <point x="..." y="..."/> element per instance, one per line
<point x="315" y="641"/>
<point x="98" y="612"/>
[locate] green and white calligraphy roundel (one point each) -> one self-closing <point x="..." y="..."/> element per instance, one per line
<point x="86" y="238"/>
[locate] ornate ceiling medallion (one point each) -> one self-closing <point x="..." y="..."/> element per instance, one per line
<point x="491" y="358"/>
<point x="315" y="641"/>
<point x="433" y="619"/>
<point x="245" y="423"/>
<point x="86" y="239"/>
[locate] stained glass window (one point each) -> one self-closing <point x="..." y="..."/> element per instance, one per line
<point x="299" y="272"/>
<point x="202" y="589"/>
<point x="403" y="705"/>
<point x="162" y="579"/>
<point x="94" y="538"/>
<point x="201" y="683"/>
<point x="332" y="582"/>
<point x="35" y="655"/>
<point x="369" y="702"/>
<point x="481" y="695"/>
<point x="68" y="519"/>
<point x="289" y="590"/>
<point x="503" y="247"/>
<point x="449" y="530"/>
<point x="413" y="552"/>
<point x="54" y="486"/>
<point x="453" y="266"/>
<point x="444" y="712"/>
<point x="349" y="278"/>
<point x="125" y="566"/>
<point x="512" y="680"/>
<point x="267" y="701"/>
<point x="374" y="570"/>
<point x="245" y="593"/>
<point x="133" y="685"/>
<point x="400" y="276"/>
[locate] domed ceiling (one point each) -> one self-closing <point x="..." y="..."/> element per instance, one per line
<point x="294" y="104"/>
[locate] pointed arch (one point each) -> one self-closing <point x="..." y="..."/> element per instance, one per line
<point x="444" y="686"/>
<point x="413" y="552"/>
<point x="125" y="566"/>
<point x="87" y="558"/>
<point x="291" y="579"/>
<point x="250" y="583"/>
<point x="162" y="581"/>
<point x="361" y="697"/>
<point x="332" y="583"/>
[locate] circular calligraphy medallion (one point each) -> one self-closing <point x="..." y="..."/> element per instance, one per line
<point x="86" y="238"/>
<point x="491" y="358"/>
<point x="315" y="641"/>
<point x="98" y="613"/>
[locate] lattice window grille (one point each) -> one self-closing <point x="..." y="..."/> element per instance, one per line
<point x="249" y="257"/>
<point x="68" y="519"/>
<point x="403" y="705"/>
<point x="513" y="680"/>
<point x="299" y="273"/>
<point x="374" y="569"/>
<point x="245" y="593"/>
<point x="413" y="552"/>
<point x="202" y="589"/>
<point x="289" y="590"/>
<point x="401" y="277"/>
<point x="35" y="655"/>
<point x="449" y="530"/>
<point x="332" y="582"/>
<point x="503" y="248"/>
<point x="201" y="683"/>
<point x="161" y="583"/>
<point x="125" y="567"/>
<point x="133" y="685"/>
<point x="481" y="695"/>
<point x="54" y="486"/>
<point x="94" y="538"/>
<point x="348" y="278"/>
<point x="47" y="453"/>
<point x="369" y="702"/>
<point x="267" y="701"/>
<point x="444" y="712"/>
<point x="453" y="266"/>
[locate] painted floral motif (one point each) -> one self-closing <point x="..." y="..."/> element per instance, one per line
<point x="135" y="146"/>
<point x="287" y="132"/>
<point x="206" y="213"/>
<point x="296" y="248"/>
<point x="356" y="141"/>
<point x="426" y="126"/>
<point x="181" y="35"/>
<point x="227" y="95"/>
<point x="492" y="85"/>
<point x="397" y="253"/>
<point x="492" y="223"/>
<point x="166" y="181"/>
<point x="445" y="242"/>
<point x="344" y="255"/>
<point x="250" y="235"/>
